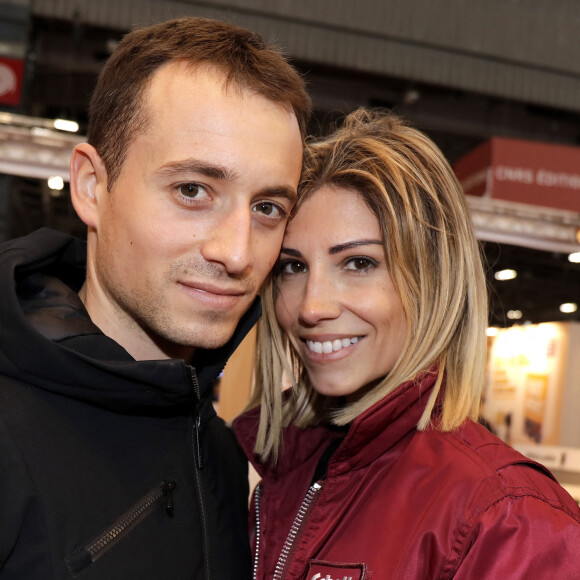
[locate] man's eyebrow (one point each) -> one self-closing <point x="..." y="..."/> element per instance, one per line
<point x="283" y="191"/>
<point x="354" y="244"/>
<point x="204" y="168"/>
<point x="215" y="171"/>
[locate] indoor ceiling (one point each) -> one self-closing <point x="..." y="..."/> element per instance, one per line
<point x="544" y="281"/>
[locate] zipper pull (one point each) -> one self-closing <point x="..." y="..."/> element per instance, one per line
<point x="196" y="419"/>
<point x="168" y="487"/>
<point x="197" y="433"/>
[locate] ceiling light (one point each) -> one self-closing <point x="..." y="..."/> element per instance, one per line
<point x="411" y="96"/>
<point x="505" y="275"/>
<point x="514" y="314"/>
<point x="569" y="307"/>
<point x="7" y="118"/>
<point x="56" y="182"/>
<point x="64" y="125"/>
<point x="575" y="257"/>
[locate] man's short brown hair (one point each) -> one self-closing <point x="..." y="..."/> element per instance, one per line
<point x="116" y="112"/>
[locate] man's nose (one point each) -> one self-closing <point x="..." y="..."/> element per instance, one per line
<point x="230" y="241"/>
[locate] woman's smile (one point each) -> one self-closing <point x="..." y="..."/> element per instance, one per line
<point x="328" y="346"/>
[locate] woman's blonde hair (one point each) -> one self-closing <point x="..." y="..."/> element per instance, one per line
<point x="433" y="259"/>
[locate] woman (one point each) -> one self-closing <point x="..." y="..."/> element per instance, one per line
<point x="372" y="464"/>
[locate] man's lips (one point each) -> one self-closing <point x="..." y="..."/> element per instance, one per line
<point x="214" y="289"/>
<point x="213" y="295"/>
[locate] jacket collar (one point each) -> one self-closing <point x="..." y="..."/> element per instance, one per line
<point x="47" y="269"/>
<point x="372" y="433"/>
<point x="384" y="424"/>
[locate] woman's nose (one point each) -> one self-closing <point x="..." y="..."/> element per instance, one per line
<point x="320" y="300"/>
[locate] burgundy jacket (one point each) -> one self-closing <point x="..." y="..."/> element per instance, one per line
<point x="398" y="503"/>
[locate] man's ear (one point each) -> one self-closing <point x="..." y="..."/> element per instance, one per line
<point x="88" y="183"/>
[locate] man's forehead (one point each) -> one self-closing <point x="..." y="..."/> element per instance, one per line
<point x="208" y="77"/>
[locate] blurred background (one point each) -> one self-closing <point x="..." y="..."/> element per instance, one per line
<point x="495" y="83"/>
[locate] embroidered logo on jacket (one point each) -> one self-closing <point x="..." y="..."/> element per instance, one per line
<point x="319" y="570"/>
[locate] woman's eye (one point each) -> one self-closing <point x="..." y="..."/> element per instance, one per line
<point x="192" y="190"/>
<point x="360" y="264"/>
<point x="289" y="267"/>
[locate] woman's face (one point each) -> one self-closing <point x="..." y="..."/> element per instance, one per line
<point x="336" y="300"/>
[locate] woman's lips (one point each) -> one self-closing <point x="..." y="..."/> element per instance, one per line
<point x="328" y="346"/>
<point x="327" y="349"/>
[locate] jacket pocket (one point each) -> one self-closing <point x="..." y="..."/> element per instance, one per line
<point x="88" y="554"/>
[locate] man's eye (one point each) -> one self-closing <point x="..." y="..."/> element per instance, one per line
<point x="269" y="209"/>
<point x="192" y="190"/>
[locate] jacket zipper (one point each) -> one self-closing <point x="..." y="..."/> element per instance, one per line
<point x="198" y="461"/>
<point x="92" y="551"/>
<point x="293" y="535"/>
<point x="257" y="529"/>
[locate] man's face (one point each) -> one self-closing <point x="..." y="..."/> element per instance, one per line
<point x="195" y="220"/>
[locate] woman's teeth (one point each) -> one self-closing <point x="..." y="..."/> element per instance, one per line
<point x="330" y="345"/>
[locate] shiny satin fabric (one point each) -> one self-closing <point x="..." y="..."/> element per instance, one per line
<point x="402" y="504"/>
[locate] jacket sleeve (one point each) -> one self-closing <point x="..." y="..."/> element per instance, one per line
<point x="22" y="532"/>
<point x="517" y="538"/>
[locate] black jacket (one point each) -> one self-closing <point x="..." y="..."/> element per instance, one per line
<point x="110" y="468"/>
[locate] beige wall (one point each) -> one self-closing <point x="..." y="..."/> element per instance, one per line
<point x="236" y="382"/>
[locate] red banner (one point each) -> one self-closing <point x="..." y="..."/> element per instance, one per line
<point x="541" y="174"/>
<point x="11" y="75"/>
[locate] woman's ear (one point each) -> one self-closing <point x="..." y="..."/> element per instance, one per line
<point x="88" y="182"/>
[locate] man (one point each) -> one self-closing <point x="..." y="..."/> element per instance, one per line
<point x="113" y="464"/>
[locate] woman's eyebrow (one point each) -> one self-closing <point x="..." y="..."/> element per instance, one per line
<point x="334" y="249"/>
<point x="290" y="252"/>
<point x="354" y="244"/>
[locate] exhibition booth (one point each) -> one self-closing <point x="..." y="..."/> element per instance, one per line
<point x="526" y="193"/>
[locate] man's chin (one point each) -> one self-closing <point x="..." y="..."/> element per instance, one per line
<point x="214" y="342"/>
<point x="182" y="342"/>
<point x="213" y="337"/>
